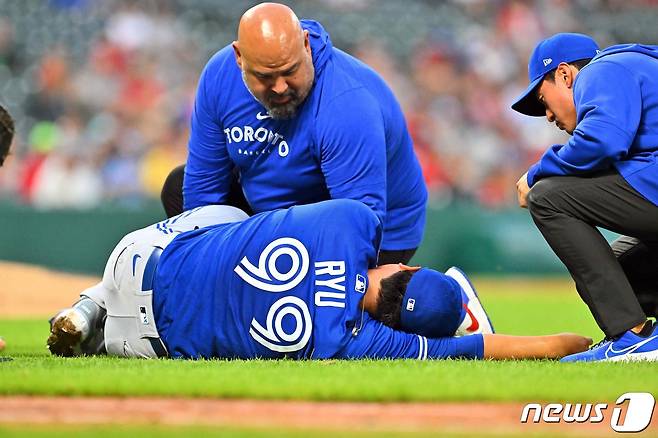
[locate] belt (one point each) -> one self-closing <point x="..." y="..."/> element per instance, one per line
<point x="150" y="270"/>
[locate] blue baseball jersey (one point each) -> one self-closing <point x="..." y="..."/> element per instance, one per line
<point x="616" y="99"/>
<point x="286" y="283"/>
<point x="349" y="139"/>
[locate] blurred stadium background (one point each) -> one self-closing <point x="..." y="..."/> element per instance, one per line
<point x="102" y="92"/>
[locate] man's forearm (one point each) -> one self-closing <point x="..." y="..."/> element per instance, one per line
<point x="533" y="347"/>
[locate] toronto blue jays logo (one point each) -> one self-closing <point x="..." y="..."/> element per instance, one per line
<point x="266" y="275"/>
<point x="257" y="141"/>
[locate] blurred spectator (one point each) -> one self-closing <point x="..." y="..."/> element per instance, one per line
<point x="9" y="54"/>
<point x="102" y="91"/>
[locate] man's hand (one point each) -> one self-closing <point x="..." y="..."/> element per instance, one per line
<point x="522" y="190"/>
<point x="564" y="344"/>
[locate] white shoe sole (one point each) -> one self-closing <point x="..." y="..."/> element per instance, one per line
<point x="474" y="304"/>
<point x="647" y="356"/>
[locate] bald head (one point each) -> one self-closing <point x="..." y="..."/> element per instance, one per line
<point x="269" y="32"/>
<point x="274" y="54"/>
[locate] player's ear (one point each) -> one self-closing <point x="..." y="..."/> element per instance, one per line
<point x="404" y="267"/>
<point x="238" y="55"/>
<point x="564" y="74"/>
<point x="307" y="42"/>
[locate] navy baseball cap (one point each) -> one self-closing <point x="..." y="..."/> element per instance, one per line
<point x="547" y="55"/>
<point x="432" y="305"/>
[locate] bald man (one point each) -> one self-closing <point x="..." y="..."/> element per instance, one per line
<point x="283" y="118"/>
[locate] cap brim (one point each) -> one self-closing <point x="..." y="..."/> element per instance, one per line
<point x="527" y="103"/>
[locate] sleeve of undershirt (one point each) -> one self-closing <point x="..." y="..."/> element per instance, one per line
<point x="376" y="341"/>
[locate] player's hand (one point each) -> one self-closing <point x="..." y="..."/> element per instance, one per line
<point x="522" y="190"/>
<point x="564" y="344"/>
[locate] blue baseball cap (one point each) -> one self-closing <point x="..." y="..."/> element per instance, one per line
<point x="547" y="55"/>
<point x="432" y="305"/>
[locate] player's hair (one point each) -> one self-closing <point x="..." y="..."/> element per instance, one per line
<point x="6" y="133"/>
<point x="389" y="302"/>
<point x="579" y="64"/>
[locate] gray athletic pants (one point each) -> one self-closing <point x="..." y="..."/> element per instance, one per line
<point x="129" y="329"/>
<point x="619" y="283"/>
<point x="126" y="290"/>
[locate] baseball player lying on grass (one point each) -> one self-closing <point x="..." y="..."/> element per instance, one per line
<point x="298" y="283"/>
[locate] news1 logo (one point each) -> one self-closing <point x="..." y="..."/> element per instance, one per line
<point x="638" y="412"/>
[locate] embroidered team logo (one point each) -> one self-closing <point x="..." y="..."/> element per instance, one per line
<point x="360" y="284"/>
<point x="266" y="275"/>
<point x="273" y="336"/>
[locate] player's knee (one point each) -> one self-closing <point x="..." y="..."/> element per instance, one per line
<point x="172" y="192"/>
<point x="540" y="194"/>
<point x="174" y="181"/>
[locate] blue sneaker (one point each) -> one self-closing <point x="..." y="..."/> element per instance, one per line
<point x="628" y="347"/>
<point x="476" y="319"/>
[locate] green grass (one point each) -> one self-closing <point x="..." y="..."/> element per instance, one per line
<point x="141" y="431"/>
<point x="515" y="308"/>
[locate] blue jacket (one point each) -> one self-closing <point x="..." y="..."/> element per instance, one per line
<point x="348" y="140"/>
<point x="280" y="284"/>
<point x="616" y="98"/>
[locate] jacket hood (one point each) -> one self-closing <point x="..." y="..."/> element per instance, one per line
<point x="321" y="45"/>
<point x="623" y="48"/>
